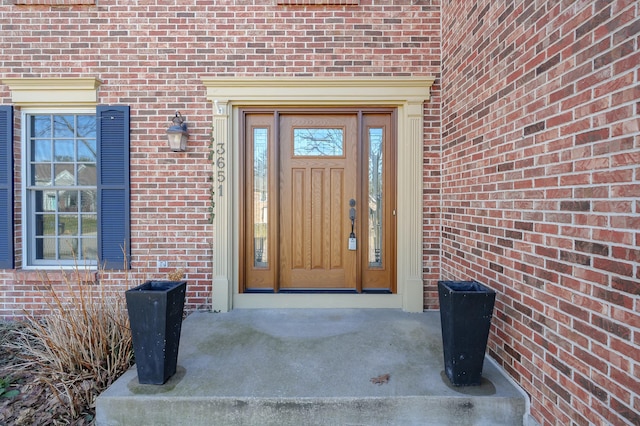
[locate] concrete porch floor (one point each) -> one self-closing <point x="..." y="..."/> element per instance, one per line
<point x="311" y="367"/>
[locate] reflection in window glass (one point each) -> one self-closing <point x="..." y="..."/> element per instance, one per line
<point x="87" y="150"/>
<point x="318" y="142"/>
<point x="63" y="151"/>
<point x="260" y="197"/>
<point x="63" y="126"/>
<point x="375" y="197"/>
<point x="62" y="201"/>
<point x="41" y="150"/>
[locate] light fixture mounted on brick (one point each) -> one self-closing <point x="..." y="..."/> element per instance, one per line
<point x="177" y="134"/>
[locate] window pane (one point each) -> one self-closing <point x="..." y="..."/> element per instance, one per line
<point x="260" y="197"/>
<point x="64" y="175"/>
<point x="375" y="197"/>
<point x="88" y="225"/>
<point x="86" y="127"/>
<point x="45" y="201"/>
<point x="88" y="248"/>
<point x="41" y="150"/>
<point x="63" y="151"/>
<point x="68" y="248"/>
<point x="88" y="201"/>
<point x="318" y="142"/>
<point x="63" y="126"/>
<point x="41" y="126"/>
<point x="87" y="150"/>
<point x="68" y="201"/>
<point x="46" y="249"/>
<point x="41" y="174"/>
<point x="87" y="174"/>
<point x="68" y="224"/>
<point x="45" y="225"/>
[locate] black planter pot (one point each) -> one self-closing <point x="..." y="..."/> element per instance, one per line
<point x="155" y="313"/>
<point x="466" y="308"/>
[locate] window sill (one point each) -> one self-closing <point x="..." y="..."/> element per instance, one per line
<point x="44" y="276"/>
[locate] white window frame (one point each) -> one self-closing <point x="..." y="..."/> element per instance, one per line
<point x="28" y="256"/>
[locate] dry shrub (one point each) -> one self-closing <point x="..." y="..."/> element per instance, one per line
<point x="176" y="275"/>
<point x="83" y="344"/>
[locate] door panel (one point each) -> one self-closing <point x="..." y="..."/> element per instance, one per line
<point x="318" y="178"/>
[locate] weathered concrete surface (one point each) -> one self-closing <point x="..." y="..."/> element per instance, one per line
<point x="311" y="367"/>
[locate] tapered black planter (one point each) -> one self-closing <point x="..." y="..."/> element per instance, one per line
<point x="155" y="313"/>
<point x="466" y="308"/>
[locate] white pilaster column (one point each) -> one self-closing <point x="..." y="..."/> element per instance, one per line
<point x="410" y="207"/>
<point x="222" y="291"/>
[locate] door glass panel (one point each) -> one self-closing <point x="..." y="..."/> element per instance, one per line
<point x="375" y="197"/>
<point x="308" y="142"/>
<point x="260" y="198"/>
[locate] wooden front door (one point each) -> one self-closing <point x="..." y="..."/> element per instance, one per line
<point x="318" y="178"/>
<point x="311" y="182"/>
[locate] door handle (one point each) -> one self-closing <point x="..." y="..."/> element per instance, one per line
<point x="352" y="216"/>
<point x="352" y="212"/>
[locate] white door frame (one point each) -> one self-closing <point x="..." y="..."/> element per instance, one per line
<point x="407" y="94"/>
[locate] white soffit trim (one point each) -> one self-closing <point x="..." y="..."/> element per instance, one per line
<point x="257" y="90"/>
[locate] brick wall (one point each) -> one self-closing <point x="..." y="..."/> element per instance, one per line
<point x="537" y="155"/>
<point x="431" y="198"/>
<point x="540" y="190"/>
<point x="151" y="55"/>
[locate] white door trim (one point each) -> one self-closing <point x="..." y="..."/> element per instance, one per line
<point x="406" y="93"/>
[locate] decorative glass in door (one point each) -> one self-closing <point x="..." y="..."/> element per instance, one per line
<point x="375" y="199"/>
<point x="260" y="198"/>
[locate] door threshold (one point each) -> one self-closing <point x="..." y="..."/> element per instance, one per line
<point x="318" y="291"/>
<point x="309" y="300"/>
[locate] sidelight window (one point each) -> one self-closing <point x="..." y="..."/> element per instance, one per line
<point x="261" y="197"/>
<point x="375" y="197"/>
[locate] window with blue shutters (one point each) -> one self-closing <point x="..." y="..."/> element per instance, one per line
<point x="60" y="186"/>
<point x="76" y="187"/>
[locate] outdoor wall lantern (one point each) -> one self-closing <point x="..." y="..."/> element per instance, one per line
<point x="177" y="134"/>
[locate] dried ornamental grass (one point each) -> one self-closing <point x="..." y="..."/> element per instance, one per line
<point x="176" y="275"/>
<point x="83" y="345"/>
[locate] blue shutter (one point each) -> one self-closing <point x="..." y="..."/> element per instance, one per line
<point x="6" y="187"/>
<point x="113" y="187"/>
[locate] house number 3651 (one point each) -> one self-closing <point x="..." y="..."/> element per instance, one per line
<point x="220" y="164"/>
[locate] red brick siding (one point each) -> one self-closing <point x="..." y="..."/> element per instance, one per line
<point x="540" y="187"/>
<point x="318" y="2"/>
<point x="431" y="198"/>
<point x="151" y="55"/>
<point x="53" y="2"/>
